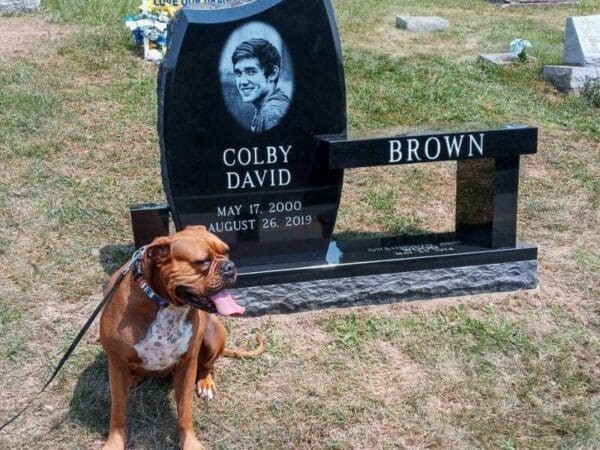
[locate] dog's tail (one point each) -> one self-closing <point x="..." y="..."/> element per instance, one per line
<point x="235" y="353"/>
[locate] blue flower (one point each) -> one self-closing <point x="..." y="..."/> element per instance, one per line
<point x="519" y="46"/>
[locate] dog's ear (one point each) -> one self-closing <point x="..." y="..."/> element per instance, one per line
<point x="159" y="250"/>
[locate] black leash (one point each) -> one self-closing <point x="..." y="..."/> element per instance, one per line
<point x="83" y="330"/>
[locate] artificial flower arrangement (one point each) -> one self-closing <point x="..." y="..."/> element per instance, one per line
<point x="149" y="28"/>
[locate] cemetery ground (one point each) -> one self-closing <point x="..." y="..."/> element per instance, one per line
<point x="78" y="144"/>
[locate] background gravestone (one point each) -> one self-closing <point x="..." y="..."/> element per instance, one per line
<point x="498" y="59"/>
<point x="536" y="2"/>
<point x="581" y="55"/>
<point x="582" y="41"/>
<point x="422" y="24"/>
<point x="19" y="5"/>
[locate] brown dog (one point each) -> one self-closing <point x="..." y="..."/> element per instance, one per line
<point x="158" y="323"/>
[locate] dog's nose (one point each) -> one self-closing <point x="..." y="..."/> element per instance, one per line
<point x="228" y="268"/>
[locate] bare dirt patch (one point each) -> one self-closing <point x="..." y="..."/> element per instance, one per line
<point x="20" y="35"/>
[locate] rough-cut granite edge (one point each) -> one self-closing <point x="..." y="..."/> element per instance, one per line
<point x="387" y="288"/>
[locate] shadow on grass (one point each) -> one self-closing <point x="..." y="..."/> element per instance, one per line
<point x="114" y="256"/>
<point x="151" y="419"/>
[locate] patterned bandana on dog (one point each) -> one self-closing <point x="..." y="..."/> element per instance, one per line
<point x="204" y="304"/>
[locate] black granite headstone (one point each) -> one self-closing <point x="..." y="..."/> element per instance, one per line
<point x="242" y="93"/>
<point x="252" y="125"/>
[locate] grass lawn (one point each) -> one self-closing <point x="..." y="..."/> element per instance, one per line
<point x="78" y="144"/>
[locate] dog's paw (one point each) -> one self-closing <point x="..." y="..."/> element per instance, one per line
<point x="190" y="443"/>
<point x="206" y="388"/>
<point x="114" y="442"/>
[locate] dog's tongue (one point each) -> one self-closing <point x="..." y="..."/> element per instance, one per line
<point x="226" y="305"/>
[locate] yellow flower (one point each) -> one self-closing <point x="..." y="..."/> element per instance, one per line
<point x="169" y="9"/>
<point x="147" y="6"/>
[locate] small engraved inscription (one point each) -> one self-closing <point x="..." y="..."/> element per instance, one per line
<point x="594" y="44"/>
<point x="418" y="249"/>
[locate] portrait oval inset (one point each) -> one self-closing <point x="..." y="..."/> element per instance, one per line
<point x="256" y="76"/>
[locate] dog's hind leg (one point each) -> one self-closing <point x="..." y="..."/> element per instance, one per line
<point x="213" y="345"/>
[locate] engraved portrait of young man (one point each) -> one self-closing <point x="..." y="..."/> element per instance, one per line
<point x="257" y="67"/>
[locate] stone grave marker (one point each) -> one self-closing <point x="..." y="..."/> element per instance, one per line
<point x="10" y="6"/>
<point x="252" y="124"/>
<point x="582" y="41"/>
<point x="498" y="59"/>
<point x="581" y="55"/>
<point x="509" y="3"/>
<point x="422" y="24"/>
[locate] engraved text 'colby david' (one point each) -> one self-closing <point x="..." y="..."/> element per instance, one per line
<point x="252" y="167"/>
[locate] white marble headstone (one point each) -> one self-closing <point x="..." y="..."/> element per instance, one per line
<point x="582" y="41"/>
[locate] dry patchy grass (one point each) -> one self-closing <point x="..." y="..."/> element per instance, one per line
<point x="78" y="145"/>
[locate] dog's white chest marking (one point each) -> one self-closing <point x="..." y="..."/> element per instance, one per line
<point x="167" y="339"/>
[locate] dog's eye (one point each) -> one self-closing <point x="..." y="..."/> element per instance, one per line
<point x="202" y="264"/>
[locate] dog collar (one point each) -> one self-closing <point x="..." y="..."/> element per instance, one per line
<point x="138" y="277"/>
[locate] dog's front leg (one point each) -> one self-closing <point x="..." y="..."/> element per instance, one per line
<point x="185" y="381"/>
<point x="120" y="381"/>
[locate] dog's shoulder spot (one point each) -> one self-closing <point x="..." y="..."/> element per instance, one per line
<point x="167" y="339"/>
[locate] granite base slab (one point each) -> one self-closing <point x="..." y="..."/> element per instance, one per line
<point x="570" y="78"/>
<point x="387" y="288"/>
<point x="422" y="24"/>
